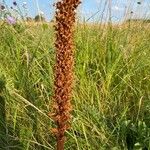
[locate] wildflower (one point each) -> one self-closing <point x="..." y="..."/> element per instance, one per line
<point x="11" y="20"/>
<point x="131" y="12"/>
<point x="65" y="19"/>
<point x="14" y="3"/>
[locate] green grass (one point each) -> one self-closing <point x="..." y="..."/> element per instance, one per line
<point x="111" y="97"/>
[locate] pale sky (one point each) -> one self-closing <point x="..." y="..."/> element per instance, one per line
<point x="92" y="10"/>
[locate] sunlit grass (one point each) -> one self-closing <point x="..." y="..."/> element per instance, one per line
<point x="111" y="95"/>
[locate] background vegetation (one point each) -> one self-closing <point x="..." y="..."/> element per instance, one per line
<point x="111" y="96"/>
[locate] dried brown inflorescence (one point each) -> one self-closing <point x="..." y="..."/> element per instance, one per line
<point x="65" y="19"/>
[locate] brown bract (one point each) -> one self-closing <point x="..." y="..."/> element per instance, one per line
<point x="65" y="19"/>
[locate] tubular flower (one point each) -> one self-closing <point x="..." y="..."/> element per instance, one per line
<point x="14" y="3"/>
<point x="65" y="19"/>
<point x="11" y="20"/>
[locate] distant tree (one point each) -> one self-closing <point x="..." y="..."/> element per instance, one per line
<point x="52" y="21"/>
<point x="139" y="20"/>
<point x="39" y="18"/>
<point x="29" y="19"/>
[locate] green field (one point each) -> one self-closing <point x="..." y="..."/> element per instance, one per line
<point x="111" y="96"/>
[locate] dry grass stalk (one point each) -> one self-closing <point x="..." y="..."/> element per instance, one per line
<point x="65" y="19"/>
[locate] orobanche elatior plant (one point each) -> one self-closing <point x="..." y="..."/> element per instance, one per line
<point x="63" y="82"/>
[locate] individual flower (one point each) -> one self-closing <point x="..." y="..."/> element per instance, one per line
<point x="131" y="12"/>
<point x="14" y="3"/>
<point x="11" y="20"/>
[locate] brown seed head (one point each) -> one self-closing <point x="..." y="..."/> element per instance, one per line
<point x="65" y="19"/>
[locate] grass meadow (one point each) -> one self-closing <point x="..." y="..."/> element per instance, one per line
<point x="111" y="96"/>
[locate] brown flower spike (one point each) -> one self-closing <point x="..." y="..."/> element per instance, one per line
<point x="65" y="19"/>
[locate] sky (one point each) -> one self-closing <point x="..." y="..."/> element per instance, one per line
<point x="91" y="10"/>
